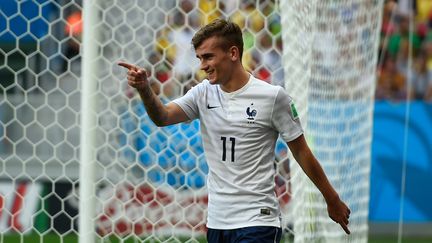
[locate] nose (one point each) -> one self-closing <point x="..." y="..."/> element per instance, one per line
<point x="203" y="65"/>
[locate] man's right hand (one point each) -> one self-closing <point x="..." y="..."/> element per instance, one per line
<point x="137" y="77"/>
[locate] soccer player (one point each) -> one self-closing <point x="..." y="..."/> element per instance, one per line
<point x="241" y="118"/>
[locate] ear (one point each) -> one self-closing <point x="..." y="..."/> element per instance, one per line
<point x="234" y="53"/>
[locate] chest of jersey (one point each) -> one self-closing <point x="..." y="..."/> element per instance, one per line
<point x="240" y="113"/>
<point x="235" y="129"/>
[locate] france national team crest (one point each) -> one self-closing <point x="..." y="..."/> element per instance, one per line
<point x="251" y="112"/>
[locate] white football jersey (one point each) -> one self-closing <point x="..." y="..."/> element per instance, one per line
<point x="239" y="133"/>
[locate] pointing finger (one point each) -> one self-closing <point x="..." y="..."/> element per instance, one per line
<point x="345" y="228"/>
<point x="128" y="66"/>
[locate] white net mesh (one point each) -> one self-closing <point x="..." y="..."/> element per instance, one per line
<point x="149" y="181"/>
<point x="330" y="60"/>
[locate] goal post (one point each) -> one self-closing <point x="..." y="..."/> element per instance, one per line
<point x="87" y="159"/>
<point x="81" y="159"/>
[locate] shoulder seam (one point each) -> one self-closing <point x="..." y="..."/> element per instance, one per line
<point x="274" y="104"/>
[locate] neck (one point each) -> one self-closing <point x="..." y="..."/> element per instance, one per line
<point x="238" y="79"/>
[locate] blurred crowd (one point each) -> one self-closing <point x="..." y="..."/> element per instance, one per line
<point x="399" y="77"/>
<point x="404" y="70"/>
<point x="174" y="63"/>
<point x="405" y="63"/>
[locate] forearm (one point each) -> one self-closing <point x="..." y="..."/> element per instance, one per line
<point x="154" y="106"/>
<point x="316" y="174"/>
<point x="337" y="209"/>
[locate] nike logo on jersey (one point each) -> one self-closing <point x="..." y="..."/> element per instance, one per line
<point x="211" y="107"/>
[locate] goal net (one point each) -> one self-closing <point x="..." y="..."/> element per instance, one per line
<point x="74" y="136"/>
<point x="329" y="58"/>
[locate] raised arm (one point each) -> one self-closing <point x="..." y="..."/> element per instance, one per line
<point x="337" y="209"/>
<point x="161" y="115"/>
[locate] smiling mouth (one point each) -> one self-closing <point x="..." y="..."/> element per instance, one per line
<point x="210" y="75"/>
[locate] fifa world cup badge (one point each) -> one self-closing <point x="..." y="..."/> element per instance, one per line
<point x="294" y="113"/>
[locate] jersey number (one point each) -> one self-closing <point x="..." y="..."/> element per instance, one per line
<point x="224" y="152"/>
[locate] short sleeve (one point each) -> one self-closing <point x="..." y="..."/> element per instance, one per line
<point x="285" y="118"/>
<point x="189" y="103"/>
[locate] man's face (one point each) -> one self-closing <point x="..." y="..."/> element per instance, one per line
<point x="216" y="62"/>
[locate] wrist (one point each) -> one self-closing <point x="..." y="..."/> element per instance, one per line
<point x="144" y="90"/>
<point x="331" y="197"/>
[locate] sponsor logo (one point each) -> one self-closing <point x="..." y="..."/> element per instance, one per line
<point x="211" y="107"/>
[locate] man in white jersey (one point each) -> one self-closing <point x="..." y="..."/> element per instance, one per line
<point x="241" y="118"/>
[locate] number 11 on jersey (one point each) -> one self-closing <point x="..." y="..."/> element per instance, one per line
<point x="224" y="148"/>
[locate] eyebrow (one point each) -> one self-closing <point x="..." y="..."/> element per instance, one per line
<point x="205" y="55"/>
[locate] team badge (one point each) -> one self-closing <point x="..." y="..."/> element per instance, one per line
<point x="251" y="112"/>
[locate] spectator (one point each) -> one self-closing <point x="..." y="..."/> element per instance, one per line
<point x="428" y="50"/>
<point x="428" y="57"/>
<point x="402" y="34"/>
<point x="388" y="25"/>
<point x="421" y="78"/>
<point x="424" y="10"/>
<point x="391" y="82"/>
<point x="402" y="58"/>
